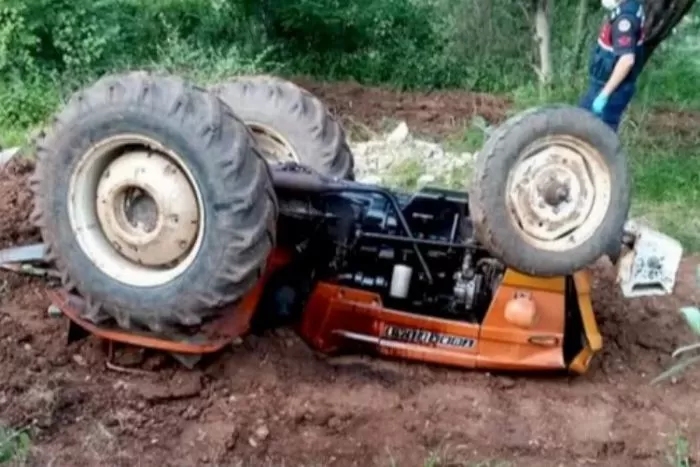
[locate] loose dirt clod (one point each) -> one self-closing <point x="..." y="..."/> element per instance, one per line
<point x="262" y="432"/>
<point x="182" y="386"/>
<point x="16" y="203"/>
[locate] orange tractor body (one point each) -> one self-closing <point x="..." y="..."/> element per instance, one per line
<point x="532" y="323"/>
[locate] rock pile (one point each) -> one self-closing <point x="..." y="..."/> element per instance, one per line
<point x="401" y="160"/>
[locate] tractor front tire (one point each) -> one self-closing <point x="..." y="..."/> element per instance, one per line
<point x="154" y="202"/>
<point x="290" y="124"/>
<point x="551" y="191"/>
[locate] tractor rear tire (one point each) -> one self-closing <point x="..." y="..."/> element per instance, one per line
<point x="290" y="124"/>
<point x="551" y="191"/>
<point x="208" y="193"/>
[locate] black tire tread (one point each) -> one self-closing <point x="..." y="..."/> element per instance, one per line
<point x="490" y="222"/>
<point x="250" y="201"/>
<point x="319" y="138"/>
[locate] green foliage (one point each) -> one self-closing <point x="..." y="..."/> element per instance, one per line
<point x="43" y="35"/>
<point x="85" y="37"/>
<point x="48" y="48"/>
<point x="26" y="101"/>
<point x="388" y="41"/>
<point x="16" y="40"/>
<point x="680" y="456"/>
<point x="14" y="446"/>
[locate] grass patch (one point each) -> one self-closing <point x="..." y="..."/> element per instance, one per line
<point x="675" y="219"/>
<point x="681" y="453"/>
<point x="666" y="185"/>
<point x="27" y="102"/>
<point x="14" y="446"/>
<point x="470" y="139"/>
<point x="11" y="137"/>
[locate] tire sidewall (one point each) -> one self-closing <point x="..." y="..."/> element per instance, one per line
<point x="493" y="179"/>
<point x="67" y="153"/>
<point x="279" y="105"/>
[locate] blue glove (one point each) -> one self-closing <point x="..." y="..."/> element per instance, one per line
<point x="599" y="104"/>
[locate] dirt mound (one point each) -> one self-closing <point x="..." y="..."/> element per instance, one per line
<point x="641" y="333"/>
<point x="678" y="125"/>
<point x="16" y="203"/>
<point x="437" y="113"/>
<point x="273" y="401"/>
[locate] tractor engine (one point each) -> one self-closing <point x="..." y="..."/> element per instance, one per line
<point x="416" y="250"/>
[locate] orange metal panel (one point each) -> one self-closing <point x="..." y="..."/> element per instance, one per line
<point x="336" y="316"/>
<point x="505" y="345"/>
<point x="211" y="338"/>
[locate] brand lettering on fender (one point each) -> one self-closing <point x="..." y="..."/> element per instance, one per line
<point x="425" y="337"/>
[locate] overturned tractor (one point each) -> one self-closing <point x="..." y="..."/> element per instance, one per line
<point x="181" y="218"/>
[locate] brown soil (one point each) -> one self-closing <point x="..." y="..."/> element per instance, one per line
<point x="438" y="113"/>
<point x="16" y="204"/>
<point x="682" y="126"/>
<point x="273" y="401"/>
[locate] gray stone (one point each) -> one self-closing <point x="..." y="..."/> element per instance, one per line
<point x="7" y="154"/>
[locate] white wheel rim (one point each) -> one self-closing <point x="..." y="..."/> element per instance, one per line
<point x="170" y="208"/>
<point x="558" y="193"/>
<point x="276" y="148"/>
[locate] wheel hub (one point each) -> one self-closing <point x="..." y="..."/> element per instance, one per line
<point x="552" y="193"/>
<point x="139" y="209"/>
<point x="555" y="192"/>
<point x="275" y="148"/>
<point x="147" y="208"/>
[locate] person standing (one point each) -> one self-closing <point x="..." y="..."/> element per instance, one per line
<point x="616" y="61"/>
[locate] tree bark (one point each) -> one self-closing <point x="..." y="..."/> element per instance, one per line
<point x="662" y="18"/>
<point x="543" y="9"/>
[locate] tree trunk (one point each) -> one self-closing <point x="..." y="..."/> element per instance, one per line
<point x="662" y="17"/>
<point x="580" y="35"/>
<point x="543" y="38"/>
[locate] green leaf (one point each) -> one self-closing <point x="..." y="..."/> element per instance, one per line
<point x="14" y="445"/>
<point x="692" y="317"/>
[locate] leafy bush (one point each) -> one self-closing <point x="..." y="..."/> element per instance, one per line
<point x="388" y="41"/>
<point x="14" y="445"/>
<point x="50" y="47"/>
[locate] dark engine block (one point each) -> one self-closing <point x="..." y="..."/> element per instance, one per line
<point x="414" y="249"/>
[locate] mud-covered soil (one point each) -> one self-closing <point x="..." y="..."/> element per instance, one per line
<point x="16" y="204"/>
<point x="680" y="126"/>
<point x="438" y="113"/>
<point x="272" y="401"/>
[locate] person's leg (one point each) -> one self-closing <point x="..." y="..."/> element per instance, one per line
<point x="617" y="104"/>
<point x="590" y="95"/>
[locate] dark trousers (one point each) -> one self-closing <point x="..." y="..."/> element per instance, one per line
<point x="617" y="102"/>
